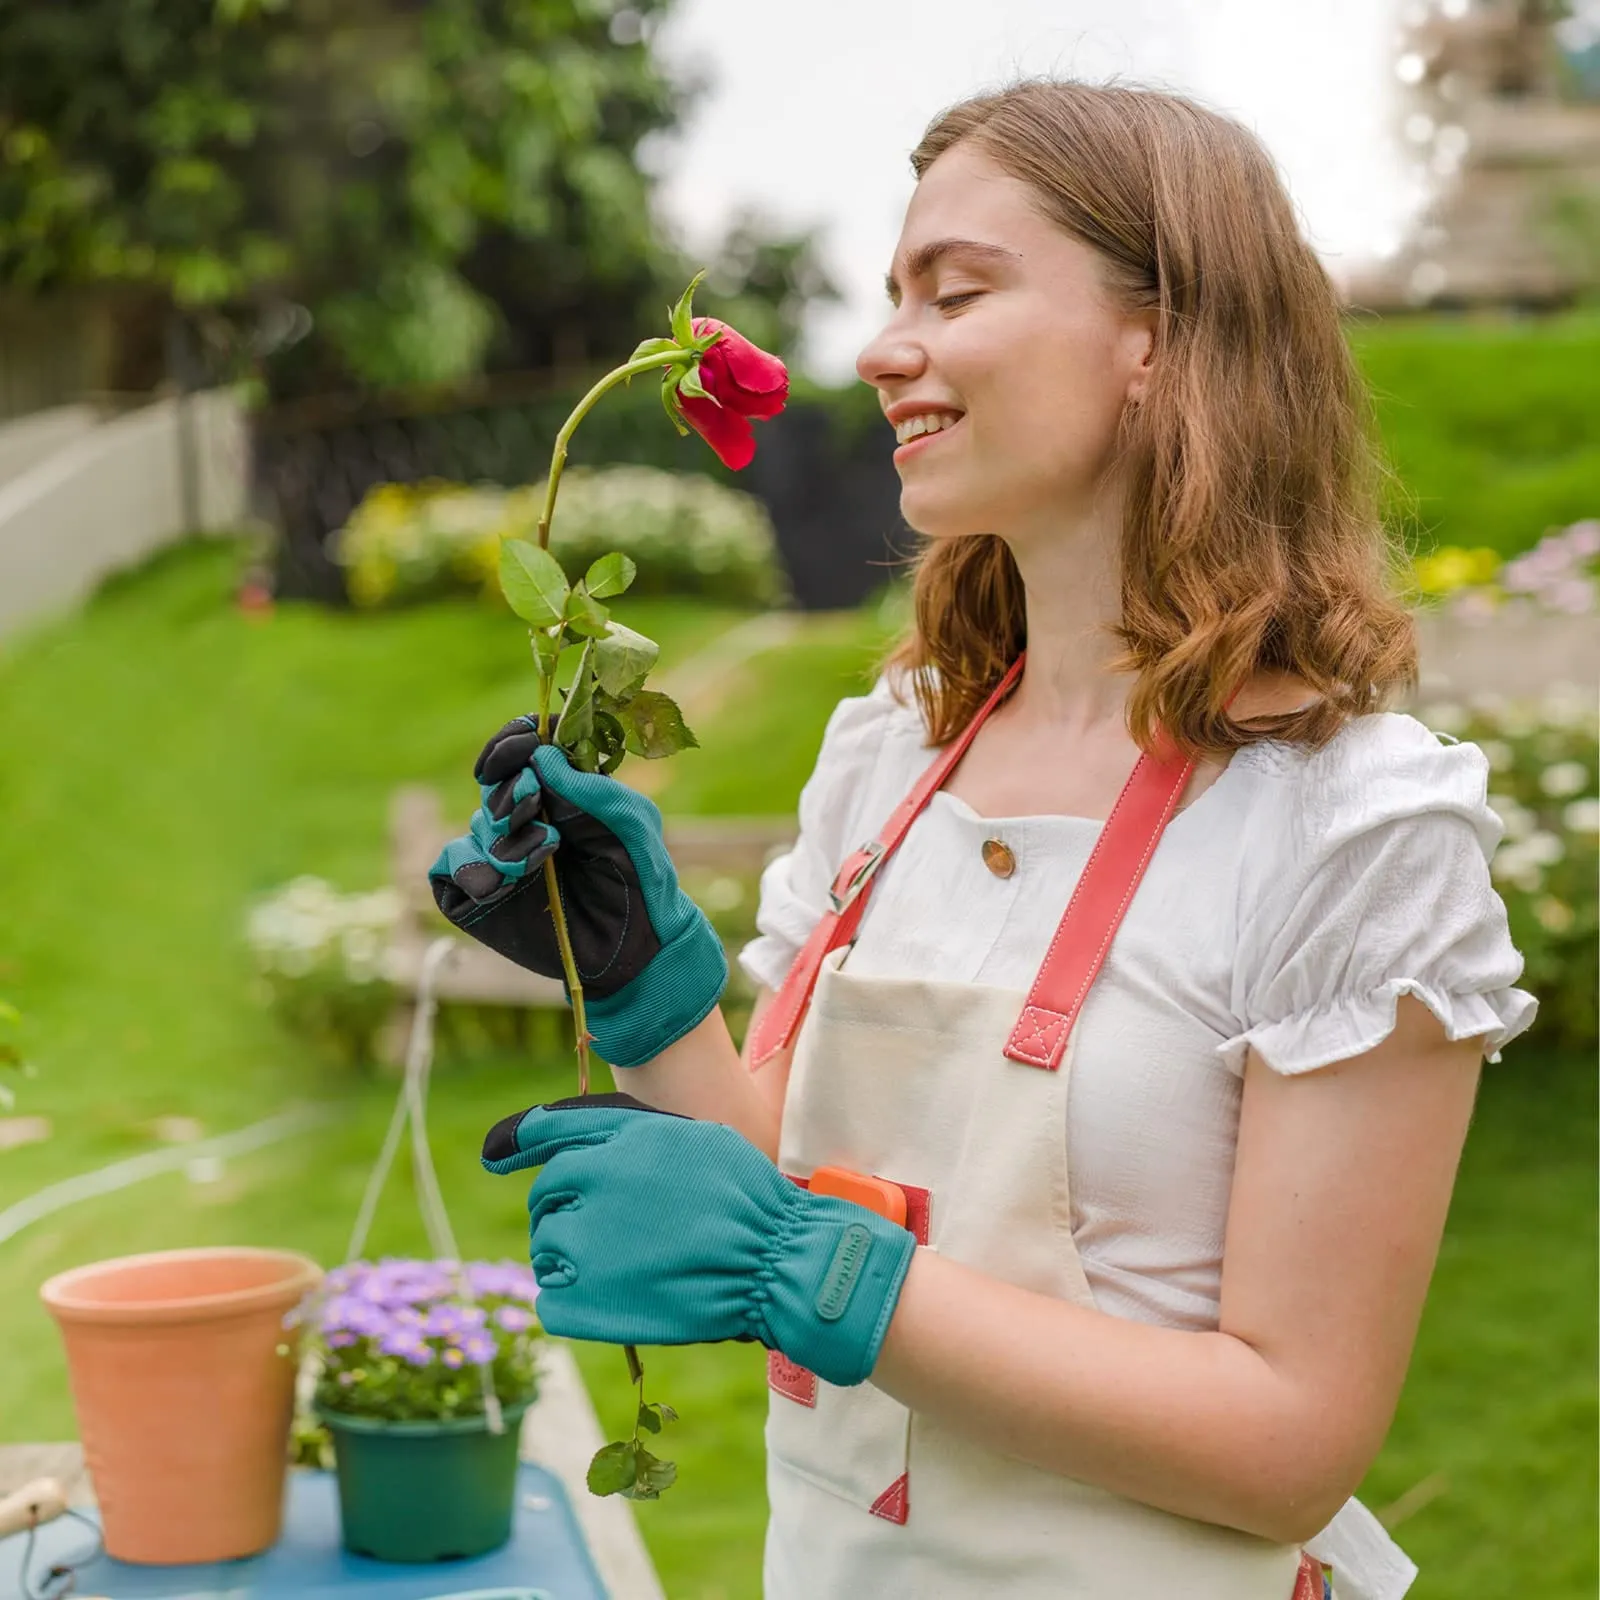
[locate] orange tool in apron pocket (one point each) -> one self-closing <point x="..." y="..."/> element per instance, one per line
<point x="904" y="1204"/>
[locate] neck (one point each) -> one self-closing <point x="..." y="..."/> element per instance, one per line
<point x="1070" y="575"/>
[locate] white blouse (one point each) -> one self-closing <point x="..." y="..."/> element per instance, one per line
<point x="1286" y="909"/>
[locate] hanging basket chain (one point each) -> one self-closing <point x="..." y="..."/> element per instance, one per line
<point x="411" y="1105"/>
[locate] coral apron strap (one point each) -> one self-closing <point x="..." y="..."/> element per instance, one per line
<point x="853" y="883"/>
<point x="1121" y="853"/>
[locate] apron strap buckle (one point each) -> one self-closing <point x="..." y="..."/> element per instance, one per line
<point x="855" y="875"/>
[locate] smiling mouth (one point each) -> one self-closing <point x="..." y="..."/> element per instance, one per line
<point x="927" y="438"/>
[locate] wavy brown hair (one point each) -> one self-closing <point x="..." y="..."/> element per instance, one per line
<point x="1251" y="536"/>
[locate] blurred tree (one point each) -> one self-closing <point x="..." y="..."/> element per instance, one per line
<point x="359" y="193"/>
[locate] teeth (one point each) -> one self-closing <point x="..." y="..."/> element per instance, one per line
<point x="930" y="422"/>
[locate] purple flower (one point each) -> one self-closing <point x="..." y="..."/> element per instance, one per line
<point x="479" y="1347"/>
<point x="350" y="1313"/>
<point x="514" y="1319"/>
<point x="452" y="1357"/>
<point x="442" y="1321"/>
<point x="503" y="1278"/>
<point x="339" y="1341"/>
<point x="408" y="1344"/>
<point x="1583" y="538"/>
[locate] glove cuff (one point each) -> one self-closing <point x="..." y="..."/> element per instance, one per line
<point x="835" y="1285"/>
<point x="674" y="994"/>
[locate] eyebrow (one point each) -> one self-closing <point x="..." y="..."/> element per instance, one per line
<point x="922" y="259"/>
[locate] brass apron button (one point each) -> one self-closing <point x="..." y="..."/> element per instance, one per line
<point x="998" y="858"/>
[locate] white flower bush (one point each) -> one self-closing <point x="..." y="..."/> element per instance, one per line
<point x="322" y="959"/>
<point x="1544" y="785"/>
<point x="686" y="533"/>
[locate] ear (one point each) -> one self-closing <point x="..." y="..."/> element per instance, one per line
<point x="1140" y="337"/>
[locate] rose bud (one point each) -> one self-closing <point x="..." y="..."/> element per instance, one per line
<point x="743" y="381"/>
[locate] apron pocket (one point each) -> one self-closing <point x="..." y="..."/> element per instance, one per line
<point x="853" y="1442"/>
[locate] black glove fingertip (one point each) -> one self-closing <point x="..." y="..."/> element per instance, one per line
<point x="508" y="752"/>
<point x="500" y="1142"/>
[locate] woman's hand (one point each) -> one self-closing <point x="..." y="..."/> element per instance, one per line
<point x="651" y="964"/>
<point x="650" y="1228"/>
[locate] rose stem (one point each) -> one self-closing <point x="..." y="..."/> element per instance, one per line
<point x="569" y="966"/>
<point x="558" y="456"/>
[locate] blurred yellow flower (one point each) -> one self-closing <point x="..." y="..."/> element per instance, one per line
<point x="1452" y="567"/>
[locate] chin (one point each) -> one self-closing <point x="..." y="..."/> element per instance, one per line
<point x="939" y="516"/>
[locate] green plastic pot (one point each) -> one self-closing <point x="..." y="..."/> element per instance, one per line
<point x="424" y="1491"/>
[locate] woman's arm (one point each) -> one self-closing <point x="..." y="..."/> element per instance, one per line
<point x="1340" y="1191"/>
<point x="703" y="1076"/>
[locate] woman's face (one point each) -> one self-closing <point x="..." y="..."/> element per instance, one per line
<point x="1022" y="339"/>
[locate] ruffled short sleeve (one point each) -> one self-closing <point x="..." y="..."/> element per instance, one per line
<point x="864" y="734"/>
<point x="1370" y="880"/>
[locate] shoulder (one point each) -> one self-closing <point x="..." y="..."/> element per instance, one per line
<point x="872" y="749"/>
<point x="880" y="732"/>
<point x="1378" y="771"/>
<point x="1367" y="877"/>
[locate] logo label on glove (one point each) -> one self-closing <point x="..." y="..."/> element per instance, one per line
<point x="849" y="1256"/>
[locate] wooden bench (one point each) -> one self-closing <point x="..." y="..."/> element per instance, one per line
<point x="418" y="830"/>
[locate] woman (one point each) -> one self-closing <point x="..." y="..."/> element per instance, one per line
<point x="1131" y="1061"/>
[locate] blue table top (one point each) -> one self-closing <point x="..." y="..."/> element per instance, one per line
<point x="546" y="1558"/>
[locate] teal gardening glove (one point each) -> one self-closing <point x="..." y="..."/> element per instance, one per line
<point x="651" y="964"/>
<point x="651" y="1228"/>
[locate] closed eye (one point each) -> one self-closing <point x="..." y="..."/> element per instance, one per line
<point x="956" y="299"/>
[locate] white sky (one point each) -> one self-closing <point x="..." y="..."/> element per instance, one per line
<point x="816" y="105"/>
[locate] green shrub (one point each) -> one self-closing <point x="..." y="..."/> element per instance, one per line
<point x="687" y="533"/>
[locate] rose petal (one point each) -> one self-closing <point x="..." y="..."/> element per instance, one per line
<point x="728" y="433"/>
<point x="742" y="375"/>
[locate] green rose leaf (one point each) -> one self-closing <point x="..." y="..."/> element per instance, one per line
<point x="648" y="1420"/>
<point x="546" y="651"/>
<point x="584" y="614"/>
<point x="610" y="738"/>
<point x="623" y="658"/>
<point x="613" y="1469"/>
<point x="667" y="1413"/>
<point x="655" y="726"/>
<point x="651" y="1476"/>
<point x="585" y="755"/>
<point x="577" y="710"/>
<point x="533" y="582"/>
<point x="610" y="575"/>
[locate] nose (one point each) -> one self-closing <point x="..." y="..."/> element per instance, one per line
<point x="890" y="358"/>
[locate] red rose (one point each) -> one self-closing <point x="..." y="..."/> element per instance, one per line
<point x="746" y="382"/>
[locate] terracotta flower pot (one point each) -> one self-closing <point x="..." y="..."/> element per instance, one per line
<point x="183" y="1402"/>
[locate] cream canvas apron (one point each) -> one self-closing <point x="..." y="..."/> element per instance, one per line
<point x="938" y="1087"/>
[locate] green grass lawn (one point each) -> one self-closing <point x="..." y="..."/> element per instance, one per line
<point x="165" y="758"/>
<point x="1489" y="421"/>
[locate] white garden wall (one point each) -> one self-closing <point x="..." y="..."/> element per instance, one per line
<point x="27" y="441"/>
<point x="103" y="496"/>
